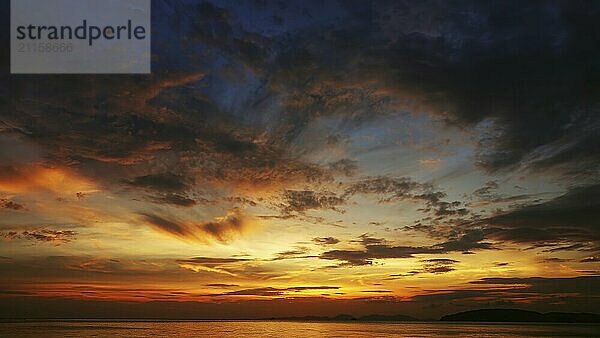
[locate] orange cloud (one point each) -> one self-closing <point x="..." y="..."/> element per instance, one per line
<point x="39" y="178"/>
<point x="221" y="229"/>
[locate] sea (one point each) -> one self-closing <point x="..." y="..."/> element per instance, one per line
<point x="255" y="328"/>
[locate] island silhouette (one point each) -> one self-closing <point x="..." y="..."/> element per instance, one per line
<point x="516" y="315"/>
<point x="482" y="315"/>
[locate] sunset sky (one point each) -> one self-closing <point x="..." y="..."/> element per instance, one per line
<point x="325" y="157"/>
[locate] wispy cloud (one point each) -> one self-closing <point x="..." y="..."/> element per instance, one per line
<point x="222" y="229"/>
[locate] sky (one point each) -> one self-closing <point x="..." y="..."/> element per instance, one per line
<point x="290" y="158"/>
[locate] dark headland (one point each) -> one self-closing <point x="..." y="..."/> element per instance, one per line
<point x="515" y="315"/>
<point x="484" y="315"/>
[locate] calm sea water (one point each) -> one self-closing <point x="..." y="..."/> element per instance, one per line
<point x="218" y="329"/>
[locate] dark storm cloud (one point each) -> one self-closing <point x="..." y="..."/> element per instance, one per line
<point x="92" y="122"/>
<point x="524" y="73"/>
<point x="216" y="27"/>
<point x="564" y="223"/>
<point x="452" y="66"/>
<point x="569" y="219"/>
<point x="584" y="285"/>
<point x="157" y="121"/>
<point x="528" y="67"/>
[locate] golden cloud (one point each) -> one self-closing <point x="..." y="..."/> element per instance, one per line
<point x="35" y="177"/>
<point x="221" y="229"/>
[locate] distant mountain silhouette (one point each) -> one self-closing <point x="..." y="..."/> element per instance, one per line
<point x="484" y="315"/>
<point x="515" y="315"/>
<point x="345" y="317"/>
<point x="387" y="318"/>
